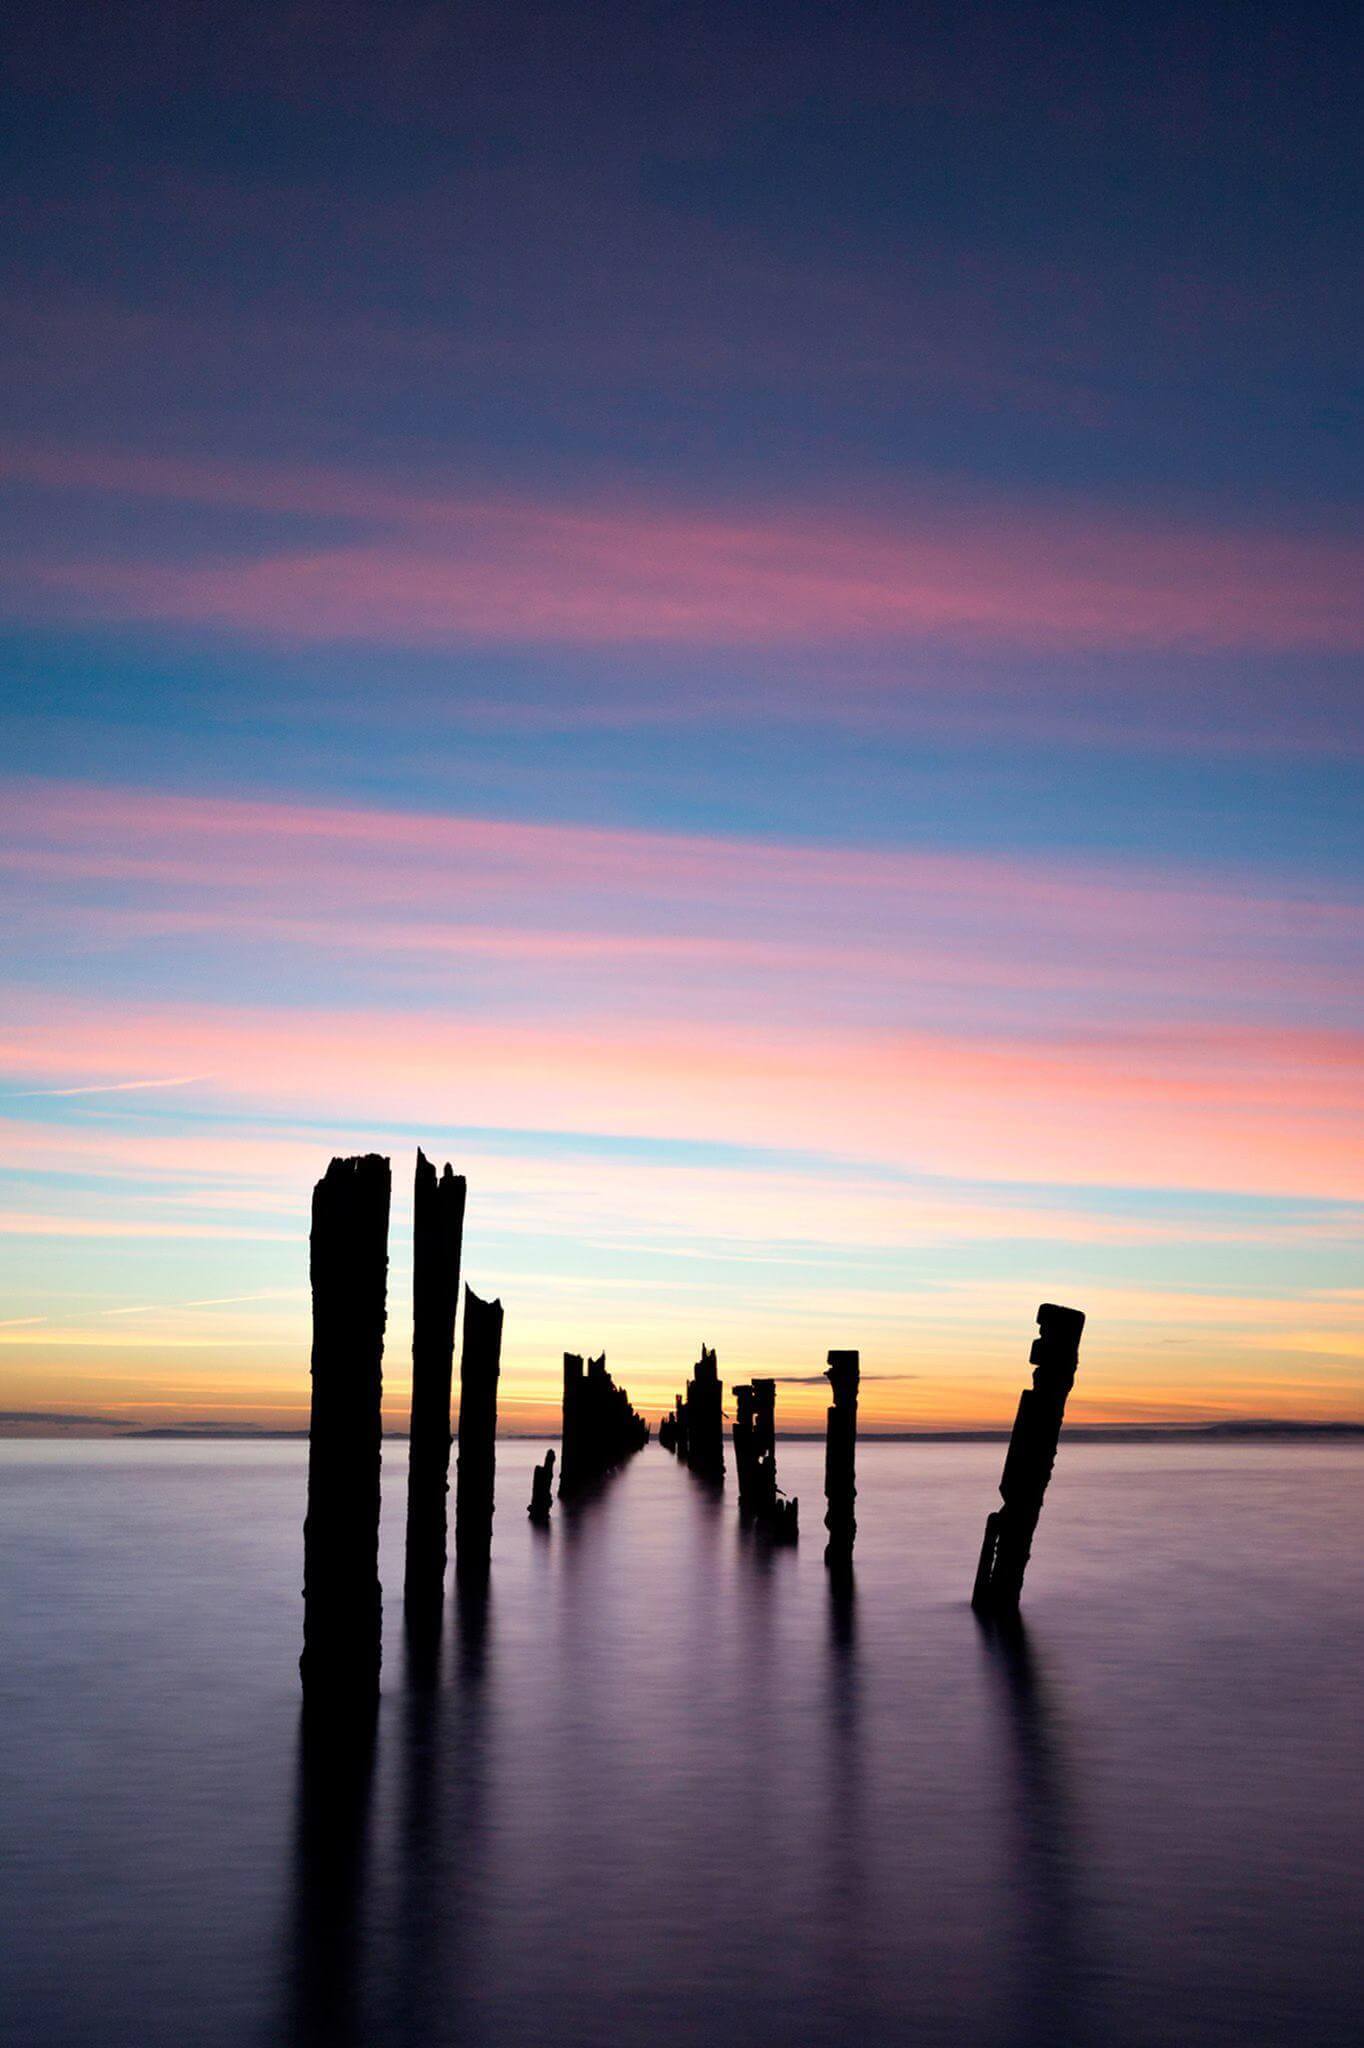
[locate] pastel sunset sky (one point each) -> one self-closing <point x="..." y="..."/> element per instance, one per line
<point x="746" y="622"/>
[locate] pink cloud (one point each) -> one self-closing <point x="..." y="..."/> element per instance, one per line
<point x="433" y="570"/>
<point x="668" y="924"/>
<point x="1265" y="1111"/>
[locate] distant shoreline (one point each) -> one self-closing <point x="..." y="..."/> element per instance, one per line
<point x="15" y="1429"/>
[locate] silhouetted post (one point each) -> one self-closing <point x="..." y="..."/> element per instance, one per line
<point x="778" y="1515"/>
<point x="570" y="1435"/>
<point x="745" y="1466"/>
<point x="348" y="1262"/>
<point x="542" y="1490"/>
<point x="705" y="1418"/>
<point x="475" y="1472"/>
<point x="437" y="1234"/>
<point x="1009" y="1530"/>
<point x="840" y="1458"/>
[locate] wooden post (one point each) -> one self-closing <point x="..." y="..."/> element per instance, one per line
<point x="570" y="1439"/>
<point x="542" y="1489"/>
<point x="840" y="1459"/>
<point x="745" y="1454"/>
<point x="1010" y="1529"/>
<point x="778" y="1515"/>
<point x="348" y="1261"/>
<point x="437" y="1234"/>
<point x="476" y="1469"/>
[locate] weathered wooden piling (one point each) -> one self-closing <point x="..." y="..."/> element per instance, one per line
<point x="437" y="1235"/>
<point x="705" y="1425"/>
<point x="348" y="1265"/>
<point x="1009" y="1530"/>
<point x="777" y="1514"/>
<point x="600" y="1428"/>
<point x="571" y="1430"/>
<point x="840" y="1459"/>
<point x="542" y="1490"/>
<point x="476" y="1467"/>
<point x="745" y="1454"/>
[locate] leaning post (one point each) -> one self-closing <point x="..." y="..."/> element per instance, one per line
<point x="1009" y="1531"/>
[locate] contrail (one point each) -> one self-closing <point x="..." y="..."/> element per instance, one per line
<point x="113" y="1087"/>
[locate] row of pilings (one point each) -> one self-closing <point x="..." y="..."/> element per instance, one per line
<point x="342" y="1644"/>
<point x="694" y="1433"/>
<point x="348" y="1269"/>
<point x="600" y="1428"/>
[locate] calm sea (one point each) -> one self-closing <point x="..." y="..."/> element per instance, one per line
<point x="667" y="1790"/>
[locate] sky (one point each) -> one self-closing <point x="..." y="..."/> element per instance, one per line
<point x="745" y="622"/>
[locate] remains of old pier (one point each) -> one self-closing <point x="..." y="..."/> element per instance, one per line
<point x="348" y="1263"/>
<point x="840" y="1459"/>
<point x="480" y="1364"/>
<point x="342" y="1623"/>
<point x="600" y="1428"/>
<point x="437" y="1235"/>
<point x="1009" y="1530"/>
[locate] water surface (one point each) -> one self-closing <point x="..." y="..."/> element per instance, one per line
<point x="668" y="1789"/>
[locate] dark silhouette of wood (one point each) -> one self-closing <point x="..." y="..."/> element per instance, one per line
<point x="542" y="1490"/>
<point x="745" y="1452"/>
<point x="761" y="1500"/>
<point x="697" y="1434"/>
<point x="437" y="1234"/>
<point x="600" y="1427"/>
<point x="476" y="1467"/>
<point x="348" y="1263"/>
<point x="571" y="1429"/>
<point x="1010" y="1529"/>
<point x="840" y="1459"/>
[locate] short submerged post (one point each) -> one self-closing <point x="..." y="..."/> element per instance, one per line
<point x="1010" y="1529"/>
<point x="437" y="1235"/>
<point x="348" y="1262"/>
<point x="542" y="1490"/>
<point x="840" y="1458"/>
<point x="476" y="1468"/>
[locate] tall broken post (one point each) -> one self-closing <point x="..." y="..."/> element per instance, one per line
<point x="840" y="1459"/>
<point x="348" y="1267"/>
<point x="1009" y="1530"/>
<point x="745" y="1453"/>
<point x="476" y="1468"/>
<point x="437" y="1236"/>
<point x="571" y="1430"/>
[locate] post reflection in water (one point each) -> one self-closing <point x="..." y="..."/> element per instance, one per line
<point x="331" y="1857"/>
<point x="339" y="1994"/>
<point x="844" y="1803"/>
<point x="1053" y="2007"/>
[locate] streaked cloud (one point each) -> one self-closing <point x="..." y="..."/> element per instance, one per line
<point x="627" y="571"/>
